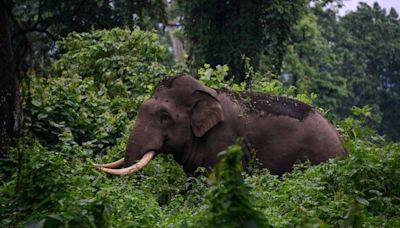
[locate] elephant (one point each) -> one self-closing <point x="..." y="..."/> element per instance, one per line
<point x="194" y="123"/>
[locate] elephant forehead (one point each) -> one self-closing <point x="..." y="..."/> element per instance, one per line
<point x="153" y="106"/>
<point x="178" y="95"/>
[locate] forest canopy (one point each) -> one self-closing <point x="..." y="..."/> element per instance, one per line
<point x="75" y="75"/>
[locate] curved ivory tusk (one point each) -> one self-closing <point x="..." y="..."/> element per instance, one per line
<point x="133" y="168"/>
<point x="115" y="164"/>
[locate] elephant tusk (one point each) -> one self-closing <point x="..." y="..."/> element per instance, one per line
<point x="115" y="164"/>
<point x="133" y="168"/>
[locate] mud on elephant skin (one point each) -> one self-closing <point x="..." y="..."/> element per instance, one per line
<point x="195" y="123"/>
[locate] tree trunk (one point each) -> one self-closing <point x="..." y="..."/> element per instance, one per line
<point x="177" y="45"/>
<point x="10" y="106"/>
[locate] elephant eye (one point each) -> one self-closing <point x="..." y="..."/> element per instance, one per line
<point x="164" y="118"/>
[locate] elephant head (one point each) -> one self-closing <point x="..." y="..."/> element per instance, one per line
<point x="179" y="110"/>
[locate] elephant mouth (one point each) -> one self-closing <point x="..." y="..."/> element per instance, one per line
<point x="111" y="168"/>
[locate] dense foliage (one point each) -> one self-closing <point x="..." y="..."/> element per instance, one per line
<point x="36" y="24"/>
<point x="311" y="59"/>
<point x="350" y="60"/>
<point x="369" y="48"/>
<point x="227" y="31"/>
<point x="78" y="117"/>
<point x="97" y="85"/>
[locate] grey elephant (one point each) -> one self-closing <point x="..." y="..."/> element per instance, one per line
<point x="194" y="123"/>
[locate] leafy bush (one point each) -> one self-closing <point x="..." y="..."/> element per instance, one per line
<point x="231" y="205"/>
<point x="99" y="82"/>
<point x="128" y="63"/>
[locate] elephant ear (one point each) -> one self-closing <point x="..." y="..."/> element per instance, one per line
<point x="206" y="113"/>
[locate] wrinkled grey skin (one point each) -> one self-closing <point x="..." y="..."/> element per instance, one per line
<point x="195" y="123"/>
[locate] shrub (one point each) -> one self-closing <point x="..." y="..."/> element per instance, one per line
<point x="231" y="204"/>
<point x="99" y="82"/>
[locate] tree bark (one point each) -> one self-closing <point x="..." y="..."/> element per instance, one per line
<point x="10" y="106"/>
